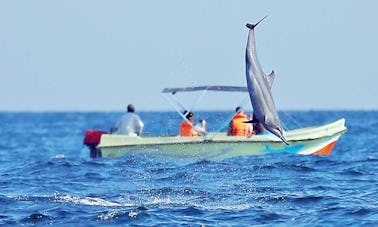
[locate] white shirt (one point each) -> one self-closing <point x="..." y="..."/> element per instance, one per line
<point x="129" y="124"/>
<point x="201" y="128"/>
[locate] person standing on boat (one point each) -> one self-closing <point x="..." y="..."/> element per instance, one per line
<point x="129" y="124"/>
<point x="237" y="126"/>
<point x="186" y="126"/>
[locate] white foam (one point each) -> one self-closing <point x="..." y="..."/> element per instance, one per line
<point x="60" y="156"/>
<point x="90" y="201"/>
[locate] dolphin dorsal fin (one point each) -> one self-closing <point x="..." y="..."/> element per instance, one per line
<point x="270" y="78"/>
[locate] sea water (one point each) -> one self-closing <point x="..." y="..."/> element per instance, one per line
<point x="48" y="178"/>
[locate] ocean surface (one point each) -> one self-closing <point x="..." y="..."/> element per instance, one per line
<point x="48" y="178"/>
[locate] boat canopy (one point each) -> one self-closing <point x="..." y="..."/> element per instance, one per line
<point x="169" y="94"/>
<point x="206" y="88"/>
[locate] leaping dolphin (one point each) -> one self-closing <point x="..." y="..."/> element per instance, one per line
<point x="259" y="88"/>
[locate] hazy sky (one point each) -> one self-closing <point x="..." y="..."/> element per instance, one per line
<point x="102" y="55"/>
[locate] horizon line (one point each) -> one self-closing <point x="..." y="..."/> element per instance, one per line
<point x="199" y="110"/>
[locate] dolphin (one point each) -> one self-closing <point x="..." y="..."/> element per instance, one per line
<point x="259" y="87"/>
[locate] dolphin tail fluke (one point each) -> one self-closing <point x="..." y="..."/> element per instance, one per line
<point x="252" y="26"/>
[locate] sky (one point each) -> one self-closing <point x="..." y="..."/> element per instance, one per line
<point x="72" y="55"/>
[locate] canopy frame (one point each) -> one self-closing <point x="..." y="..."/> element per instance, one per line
<point x="169" y="95"/>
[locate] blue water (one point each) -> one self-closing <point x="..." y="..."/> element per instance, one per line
<point x="47" y="177"/>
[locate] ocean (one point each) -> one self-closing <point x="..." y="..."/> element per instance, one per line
<point x="48" y="178"/>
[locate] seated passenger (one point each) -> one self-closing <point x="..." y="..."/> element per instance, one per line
<point x="129" y="123"/>
<point x="201" y="127"/>
<point x="186" y="127"/>
<point x="237" y="126"/>
<point x="258" y="128"/>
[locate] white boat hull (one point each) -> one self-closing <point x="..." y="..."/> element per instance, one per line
<point x="318" y="140"/>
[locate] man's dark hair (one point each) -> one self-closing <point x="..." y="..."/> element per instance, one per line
<point x="131" y="108"/>
<point x="188" y="115"/>
<point x="238" y="109"/>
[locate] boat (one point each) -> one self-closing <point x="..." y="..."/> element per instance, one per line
<point x="316" y="140"/>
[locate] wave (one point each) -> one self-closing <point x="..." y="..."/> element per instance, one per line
<point x="60" y="198"/>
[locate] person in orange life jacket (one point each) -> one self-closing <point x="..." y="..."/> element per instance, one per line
<point x="186" y="127"/>
<point x="237" y="126"/>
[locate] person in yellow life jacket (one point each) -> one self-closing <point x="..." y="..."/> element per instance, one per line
<point x="186" y="127"/>
<point x="237" y="126"/>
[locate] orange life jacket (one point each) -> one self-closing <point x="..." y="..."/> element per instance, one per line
<point x="238" y="127"/>
<point x="186" y="129"/>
